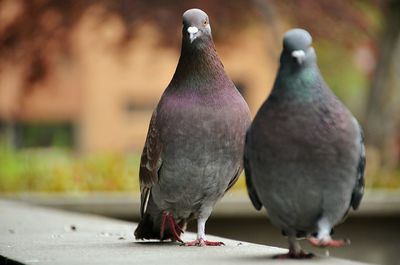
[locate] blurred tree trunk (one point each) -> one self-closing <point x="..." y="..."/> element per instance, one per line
<point x="383" y="107"/>
<point x="10" y="134"/>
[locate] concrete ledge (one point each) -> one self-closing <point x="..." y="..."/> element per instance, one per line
<point x="34" y="235"/>
<point x="377" y="203"/>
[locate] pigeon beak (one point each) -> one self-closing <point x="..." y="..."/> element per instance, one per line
<point x="192" y="33"/>
<point x="299" y="55"/>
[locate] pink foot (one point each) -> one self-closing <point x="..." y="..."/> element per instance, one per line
<point x="175" y="228"/>
<point x="202" y="243"/>
<point x="293" y="255"/>
<point x="321" y="243"/>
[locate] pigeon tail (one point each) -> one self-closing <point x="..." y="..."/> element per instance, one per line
<point x="145" y="228"/>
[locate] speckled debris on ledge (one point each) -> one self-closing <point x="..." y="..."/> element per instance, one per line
<point x="35" y="235"/>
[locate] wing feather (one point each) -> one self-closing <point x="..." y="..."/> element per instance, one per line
<point x="358" y="190"/>
<point x="150" y="162"/>
<point x="249" y="182"/>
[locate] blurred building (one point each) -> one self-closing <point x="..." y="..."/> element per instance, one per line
<point x="102" y="94"/>
<point x="87" y="74"/>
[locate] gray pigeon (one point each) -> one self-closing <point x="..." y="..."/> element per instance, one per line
<point x="304" y="156"/>
<point x="194" y="147"/>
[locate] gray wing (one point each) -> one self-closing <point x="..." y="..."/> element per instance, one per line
<point x="234" y="179"/>
<point x="249" y="183"/>
<point x="150" y="163"/>
<point x="358" y="190"/>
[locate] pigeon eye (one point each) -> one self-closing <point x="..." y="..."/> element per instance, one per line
<point x="205" y="22"/>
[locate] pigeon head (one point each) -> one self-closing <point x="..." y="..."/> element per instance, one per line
<point x="297" y="47"/>
<point x="199" y="60"/>
<point x="196" y="27"/>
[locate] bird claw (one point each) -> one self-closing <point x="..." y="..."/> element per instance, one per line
<point x="292" y="255"/>
<point x="202" y="243"/>
<point x="322" y="243"/>
<point x="175" y="228"/>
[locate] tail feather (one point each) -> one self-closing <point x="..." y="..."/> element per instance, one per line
<point x="147" y="229"/>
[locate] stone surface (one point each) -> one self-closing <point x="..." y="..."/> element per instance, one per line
<point x="35" y="235"/>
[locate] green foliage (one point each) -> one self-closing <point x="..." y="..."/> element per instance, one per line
<point x="384" y="180"/>
<point x="47" y="134"/>
<point x="341" y="74"/>
<point x="58" y="170"/>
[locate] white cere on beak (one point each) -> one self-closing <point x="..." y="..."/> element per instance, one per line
<point x="192" y="33"/>
<point x="299" y="55"/>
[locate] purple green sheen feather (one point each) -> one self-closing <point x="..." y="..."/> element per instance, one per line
<point x="304" y="158"/>
<point x="199" y="126"/>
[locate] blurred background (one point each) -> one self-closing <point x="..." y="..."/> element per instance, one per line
<point x="79" y="81"/>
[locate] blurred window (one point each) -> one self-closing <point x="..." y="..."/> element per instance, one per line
<point x="44" y="135"/>
<point x="131" y="105"/>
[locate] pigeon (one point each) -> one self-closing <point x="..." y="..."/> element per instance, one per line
<point x="194" y="147"/>
<point x="304" y="155"/>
